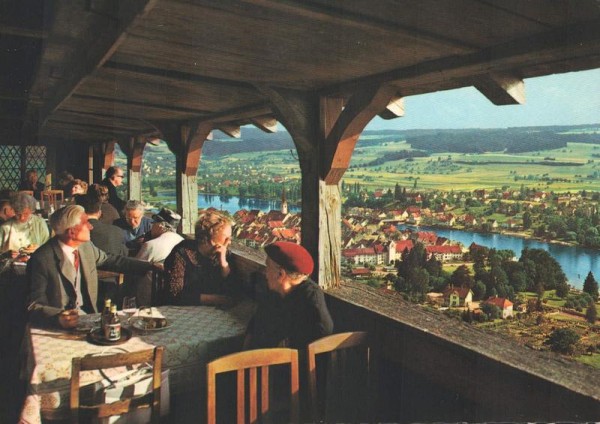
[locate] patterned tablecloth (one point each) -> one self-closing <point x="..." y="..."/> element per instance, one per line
<point x="195" y="336"/>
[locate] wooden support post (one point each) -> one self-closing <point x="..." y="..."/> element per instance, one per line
<point x="325" y="131"/>
<point x="51" y="171"/>
<point x="186" y="142"/>
<point x="134" y="149"/>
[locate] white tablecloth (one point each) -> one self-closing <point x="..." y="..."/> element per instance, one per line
<point x="196" y="335"/>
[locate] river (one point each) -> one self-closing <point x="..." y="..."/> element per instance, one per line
<point x="232" y="204"/>
<point x="576" y="262"/>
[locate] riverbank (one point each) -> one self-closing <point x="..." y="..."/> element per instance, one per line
<point x="521" y="234"/>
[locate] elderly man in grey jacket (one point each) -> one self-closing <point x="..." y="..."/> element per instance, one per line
<point x="63" y="274"/>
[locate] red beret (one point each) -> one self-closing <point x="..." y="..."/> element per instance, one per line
<point x="291" y="256"/>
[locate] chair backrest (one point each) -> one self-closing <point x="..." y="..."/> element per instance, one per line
<point x="54" y="197"/>
<point x="254" y="363"/>
<point x="346" y="393"/>
<point x="103" y="410"/>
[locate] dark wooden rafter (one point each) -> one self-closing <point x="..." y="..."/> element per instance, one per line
<point x="331" y="14"/>
<point x="89" y="57"/>
<point x="175" y="75"/>
<point x="162" y="107"/>
<point x="575" y="40"/>
<point x="343" y="127"/>
<point x="245" y="113"/>
<point x="22" y="32"/>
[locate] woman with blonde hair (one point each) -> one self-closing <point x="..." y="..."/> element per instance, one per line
<point x="198" y="272"/>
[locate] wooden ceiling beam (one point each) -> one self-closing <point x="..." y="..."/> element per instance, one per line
<point x="91" y="127"/>
<point x="140" y="103"/>
<point x="175" y="75"/>
<point x="86" y="59"/>
<point x="330" y="14"/>
<point x="22" y="32"/>
<point x="502" y="89"/>
<point x="572" y="42"/>
<point x="236" y="114"/>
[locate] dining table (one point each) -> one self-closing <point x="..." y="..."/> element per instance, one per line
<point x="194" y="336"/>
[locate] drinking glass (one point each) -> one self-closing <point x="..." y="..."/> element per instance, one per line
<point x="129" y="307"/>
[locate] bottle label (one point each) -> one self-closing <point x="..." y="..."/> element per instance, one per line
<point x="113" y="332"/>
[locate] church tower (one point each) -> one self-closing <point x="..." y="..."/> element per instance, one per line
<point x="284" y="204"/>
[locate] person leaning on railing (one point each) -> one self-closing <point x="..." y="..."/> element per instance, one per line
<point x="293" y="312"/>
<point x="199" y="272"/>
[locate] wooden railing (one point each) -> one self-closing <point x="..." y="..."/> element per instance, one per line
<point x="435" y="368"/>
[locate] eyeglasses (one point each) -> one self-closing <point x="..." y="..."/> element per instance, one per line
<point x="119" y="176"/>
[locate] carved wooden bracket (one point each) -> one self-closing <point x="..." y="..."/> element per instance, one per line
<point x="193" y="138"/>
<point x="137" y="145"/>
<point x="106" y="152"/>
<point x="342" y="127"/>
<point x="186" y="141"/>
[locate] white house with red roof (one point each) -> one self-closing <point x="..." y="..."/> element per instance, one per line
<point x="446" y="253"/>
<point x="457" y="296"/>
<point x="505" y="305"/>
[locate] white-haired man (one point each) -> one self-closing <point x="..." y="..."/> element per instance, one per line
<point x="63" y="272"/>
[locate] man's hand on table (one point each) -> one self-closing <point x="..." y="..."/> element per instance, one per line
<point x="68" y="319"/>
<point x="158" y="266"/>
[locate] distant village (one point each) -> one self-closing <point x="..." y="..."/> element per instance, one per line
<point x="372" y="243"/>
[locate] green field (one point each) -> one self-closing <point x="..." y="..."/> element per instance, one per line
<point x="440" y="171"/>
<point x="444" y="174"/>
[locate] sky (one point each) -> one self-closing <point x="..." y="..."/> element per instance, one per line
<point x="562" y="99"/>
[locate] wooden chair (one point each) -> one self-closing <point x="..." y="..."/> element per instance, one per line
<point x="250" y="362"/>
<point x="346" y="393"/>
<point x="104" y="410"/>
<point x="52" y="197"/>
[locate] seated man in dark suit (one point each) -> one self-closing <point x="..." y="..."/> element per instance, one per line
<point x="113" y="179"/>
<point x="62" y="274"/>
<point x="106" y="237"/>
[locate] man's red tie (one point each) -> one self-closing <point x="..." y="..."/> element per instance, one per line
<point x="76" y="260"/>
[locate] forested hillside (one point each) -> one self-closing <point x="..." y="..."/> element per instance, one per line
<point x="510" y="140"/>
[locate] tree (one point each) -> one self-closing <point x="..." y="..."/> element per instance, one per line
<point x="563" y="340"/>
<point x="492" y="311"/>
<point x="591" y="315"/>
<point x="562" y="290"/>
<point x="461" y="277"/>
<point x="527" y="220"/>
<point x="590" y="286"/>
